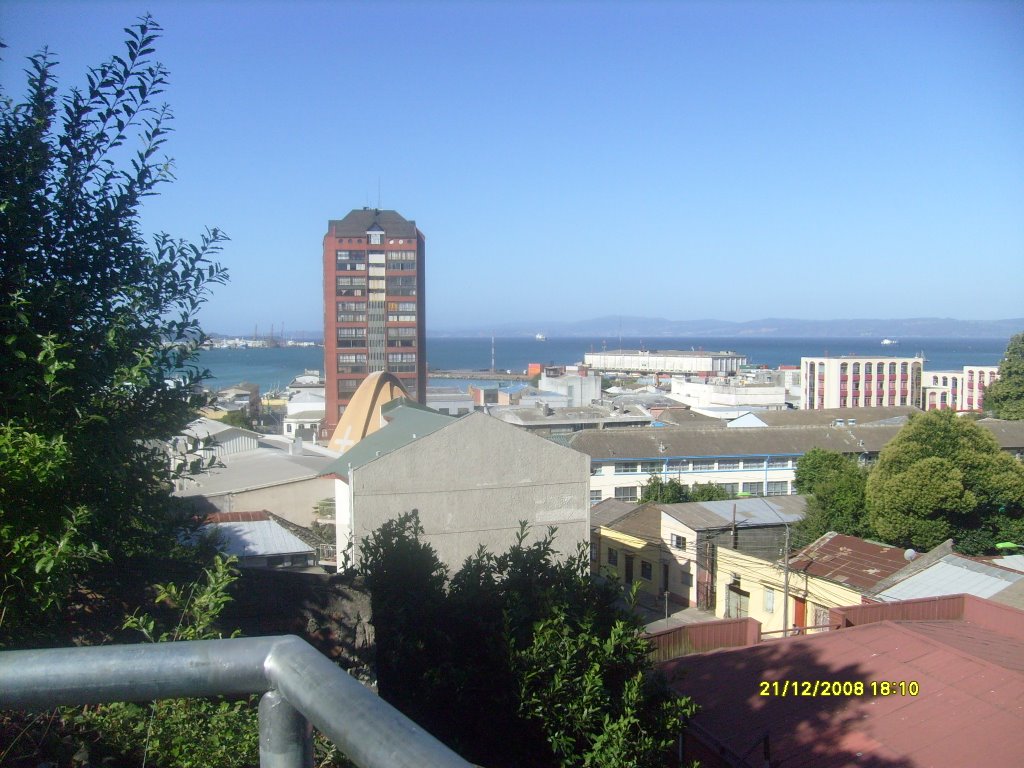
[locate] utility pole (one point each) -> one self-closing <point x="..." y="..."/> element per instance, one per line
<point x="785" y="588"/>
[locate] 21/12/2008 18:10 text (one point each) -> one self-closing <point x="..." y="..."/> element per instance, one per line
<point x="839" y="688"/>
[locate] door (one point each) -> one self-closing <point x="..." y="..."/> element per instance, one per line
<point x="629" y="569"/>
<point x="800" y="619"/>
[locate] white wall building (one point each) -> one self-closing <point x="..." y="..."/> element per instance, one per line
<point x="962" y="390"/>
<point x="471" y="480"/>
<point x="860" y="381"/>
<point x="579" y="389"/>
<point x="732" y="392"/>
<point x="665" y="361"/>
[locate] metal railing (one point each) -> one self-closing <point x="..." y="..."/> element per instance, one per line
<point x="300" y="687"/>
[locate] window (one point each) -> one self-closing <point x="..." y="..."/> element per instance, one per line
<point x="593" y="552"/>
<point x="703" y="466"/>
<point x="595" y="497"/>
<point x="769" y="600"/>
<point x="347" y="386"/>
<point x="596" y="469"/>
<point x="678" y="542"/>
<point x="778" y="463"/>
<point x="778" y="488"/>
<point x="753" y="464"/>
<point x="677" y="466"/>
<point x="731" y="488"/>
<point x="754" y="489"/>
<point x="646" y="572"/>
<point x="625" y="467"/>
<point x="685" y="578"/>
<point x="626" y="493"/>
<point x="728" y="464"/>
<point x="376" y="238"/>
<point x="651" y="467"/>
<point x="820" y="616"/>
<point x="613" y="556"/>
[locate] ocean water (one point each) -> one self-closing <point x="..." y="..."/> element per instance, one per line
<point x="274" y="368"/>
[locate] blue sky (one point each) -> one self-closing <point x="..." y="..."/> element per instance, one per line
<point x="573" y="160"/>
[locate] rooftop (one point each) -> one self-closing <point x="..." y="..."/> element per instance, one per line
<point x="969" y="707"/>
<point x="950" y="575"/>
<point x="253" y="534"/>
<point x="358" y="222"/>
<point x="406" y="421"/>
<point x="668" y="352"/>
<point x="704" y="515"/>
<point x="266" y="466"/>
<point x="793" y="417"/>
<point x="609" y="511"/>
<point x="849" y="560"/>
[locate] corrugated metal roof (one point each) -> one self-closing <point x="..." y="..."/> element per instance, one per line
<point x="608" y="511"/>
<point x="849" y="560"/>
<point x="773" y="510"/>
<point x="1013" y="562"/>
<point x="968" y="710"/>
<point x="825" y="416"/>
<point x="950" y="576"/>
<point x="256" y="538"/>
<point x="676" y="442"/>
<point x="406" y="422"/>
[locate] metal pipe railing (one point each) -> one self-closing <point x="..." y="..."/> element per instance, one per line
<point x="300" y="683"/>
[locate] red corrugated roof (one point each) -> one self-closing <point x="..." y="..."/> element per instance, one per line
<point x="849" y="560"/>
<point x="969" y="709"/>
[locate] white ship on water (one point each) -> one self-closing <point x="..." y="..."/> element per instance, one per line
<point x="541" y="337"/>
<point x="889" y="342"/>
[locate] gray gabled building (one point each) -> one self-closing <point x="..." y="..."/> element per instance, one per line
<point x="471" y="480"/>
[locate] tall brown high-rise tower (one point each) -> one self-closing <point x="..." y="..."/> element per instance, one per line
<point x="374" y="316"/>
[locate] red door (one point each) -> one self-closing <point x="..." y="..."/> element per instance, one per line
<point x="800" y="620"/>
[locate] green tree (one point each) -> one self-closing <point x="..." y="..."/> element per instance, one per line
<point x="665" y="491"/>
<point x="836" y="486"/>
<point x="593" y="693"/>
<point x="407" y="583"/>
<point x="1005" y="397"/>
<point x="93" y="323"/>
<point x="945" y="476"/>
<point x="477" y="644"/>
<point x="708" y="492"/>
<point x="179" y="733"/>
<point x="672" y="491"/>
<point x="238" y="419"/>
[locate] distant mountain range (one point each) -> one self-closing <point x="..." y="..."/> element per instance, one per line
<point x="785" y="328"/>
<point x="653" y="327"/>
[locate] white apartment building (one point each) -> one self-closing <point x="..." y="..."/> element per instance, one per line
<point x="962" y="390"/>
<point x="861" y="381"/>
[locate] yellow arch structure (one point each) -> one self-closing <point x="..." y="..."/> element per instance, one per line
<point x="362" y="415"/>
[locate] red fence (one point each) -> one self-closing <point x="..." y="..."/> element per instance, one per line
<point x="705" y="636"/>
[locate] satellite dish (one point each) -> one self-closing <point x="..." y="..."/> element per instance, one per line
<point x="909" y="555"/>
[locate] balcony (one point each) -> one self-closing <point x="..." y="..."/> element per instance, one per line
<point x="299" y="686"/>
